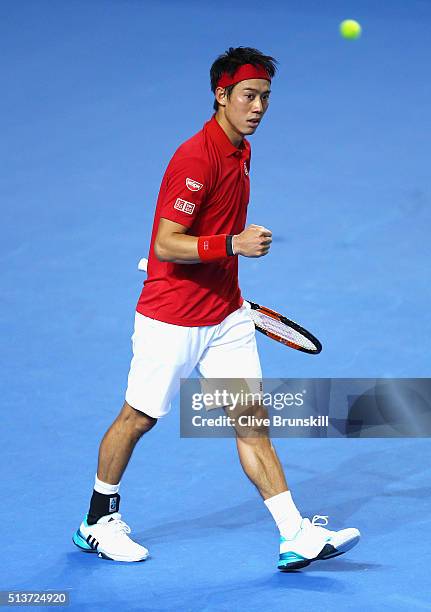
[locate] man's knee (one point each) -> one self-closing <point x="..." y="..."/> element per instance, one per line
<point x="137" y="420"/>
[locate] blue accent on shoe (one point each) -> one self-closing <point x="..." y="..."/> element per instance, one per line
<point x="80" y="542"/>
<point x="291" y="557"/>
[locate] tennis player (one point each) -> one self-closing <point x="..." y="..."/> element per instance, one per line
<point x="191" y="315"/>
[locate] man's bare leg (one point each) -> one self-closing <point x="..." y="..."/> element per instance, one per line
<point x="261" y="464"/>
<point x="102" y="530"/>
<point x="256" y="452"/>
<point x="301" y="541"/>
<point x="119" y="441"/>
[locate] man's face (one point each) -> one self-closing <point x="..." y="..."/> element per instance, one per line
<point x="247" y="105"/>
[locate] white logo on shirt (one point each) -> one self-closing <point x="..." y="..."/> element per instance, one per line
<point x="245" y="169"/>
<point x="184" y="206"/>
<point x="193" y="185"/>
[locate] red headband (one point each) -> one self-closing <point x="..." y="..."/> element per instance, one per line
<point x="246" y="71"/>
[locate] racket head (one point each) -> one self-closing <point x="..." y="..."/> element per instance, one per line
<point x="283" y="330"/>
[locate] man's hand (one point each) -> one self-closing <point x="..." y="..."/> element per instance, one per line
<point x="254" y="241"/>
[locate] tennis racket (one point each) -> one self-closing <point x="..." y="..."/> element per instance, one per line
<point x="274" y="325"/>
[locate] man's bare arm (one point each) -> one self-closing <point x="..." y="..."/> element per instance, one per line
<point x="173" y="244"/>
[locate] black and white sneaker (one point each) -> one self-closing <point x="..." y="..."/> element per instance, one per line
<point x="314" y="542"/>
<point x="109" y="537"/>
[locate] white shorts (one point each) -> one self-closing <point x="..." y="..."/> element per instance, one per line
<point x="165" y="353"/>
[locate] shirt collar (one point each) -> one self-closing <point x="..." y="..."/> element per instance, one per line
<point x="219" y="136"/>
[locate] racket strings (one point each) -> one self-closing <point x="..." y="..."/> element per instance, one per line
<point x="279" y="328"/>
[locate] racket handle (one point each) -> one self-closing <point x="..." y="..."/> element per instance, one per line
<point x="143" y="264"/>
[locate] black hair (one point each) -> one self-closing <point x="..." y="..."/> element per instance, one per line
<point x="232" y="59"/>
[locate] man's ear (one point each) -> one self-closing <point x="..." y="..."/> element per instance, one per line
<point x="220" y="96"/>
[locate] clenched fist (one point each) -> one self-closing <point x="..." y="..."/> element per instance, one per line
<point x="254" y="241"/>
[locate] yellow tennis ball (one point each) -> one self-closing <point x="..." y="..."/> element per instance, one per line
<point x="351" y="29"/>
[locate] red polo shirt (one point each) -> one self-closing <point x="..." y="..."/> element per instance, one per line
<point x="206" y="188"/>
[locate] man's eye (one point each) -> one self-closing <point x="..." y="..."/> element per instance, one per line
<point x="250" y="96"/>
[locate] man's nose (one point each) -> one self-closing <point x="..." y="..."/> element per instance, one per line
<point x="257" y="106"/>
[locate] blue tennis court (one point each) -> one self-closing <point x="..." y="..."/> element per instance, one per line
<point x="96" y="97"/>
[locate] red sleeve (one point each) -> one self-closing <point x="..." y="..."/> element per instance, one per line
<point x="186" y="188"/>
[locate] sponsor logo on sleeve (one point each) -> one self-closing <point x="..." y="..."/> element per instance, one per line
<point x="193" y="185"/>
<point x="245" y="169"/>
<point x="184" y="206"/>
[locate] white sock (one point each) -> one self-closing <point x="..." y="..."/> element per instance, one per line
<point x="284" y="513"/>
<point x="105" y="488"/>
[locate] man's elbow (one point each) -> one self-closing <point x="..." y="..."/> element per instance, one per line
<point x="161" y="252"/>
